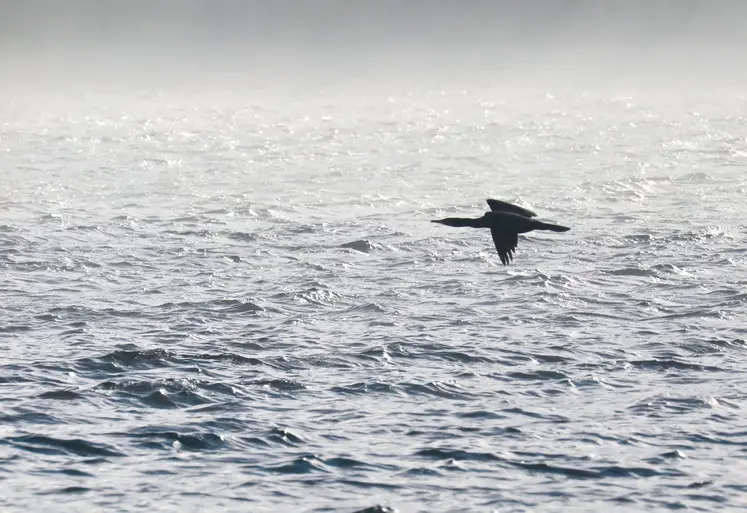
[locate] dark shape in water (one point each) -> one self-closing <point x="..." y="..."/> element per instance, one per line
<point x="506" y="222"/>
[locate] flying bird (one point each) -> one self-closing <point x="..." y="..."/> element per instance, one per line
<point x="506" y="221"/>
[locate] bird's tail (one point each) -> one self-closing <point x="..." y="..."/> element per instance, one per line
<point x="457" y="222"/>
<point x="552" y="227"/>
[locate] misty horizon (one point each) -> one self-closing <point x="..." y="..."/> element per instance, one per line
<point x="86" y="38"/>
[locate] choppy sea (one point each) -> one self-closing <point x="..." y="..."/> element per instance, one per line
<point x="233" y="300"/>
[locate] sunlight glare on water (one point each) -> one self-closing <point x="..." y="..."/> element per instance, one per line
<point x="227" y="297"/>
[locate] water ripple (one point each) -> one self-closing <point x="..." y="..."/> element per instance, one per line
<point x="212" y="300"/>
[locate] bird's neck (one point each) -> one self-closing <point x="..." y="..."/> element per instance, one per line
<point x="477" y="222"/>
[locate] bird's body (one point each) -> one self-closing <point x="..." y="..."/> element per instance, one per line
<point x="506" y="222"/>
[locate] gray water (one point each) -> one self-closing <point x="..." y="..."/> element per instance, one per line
<point x="232" y="299"/>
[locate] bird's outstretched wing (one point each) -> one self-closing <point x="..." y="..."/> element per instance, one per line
<point x="505" y="244"/>
<point x="503" y="206"/>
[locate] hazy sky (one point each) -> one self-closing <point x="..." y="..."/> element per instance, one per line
<point x="250" y="19"/>
<point x="226" y="34"/>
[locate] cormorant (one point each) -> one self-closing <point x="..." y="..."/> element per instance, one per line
<point x="506" y="222"/>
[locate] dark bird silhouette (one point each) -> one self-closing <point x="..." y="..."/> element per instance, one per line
<point x="506" y="222"/>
